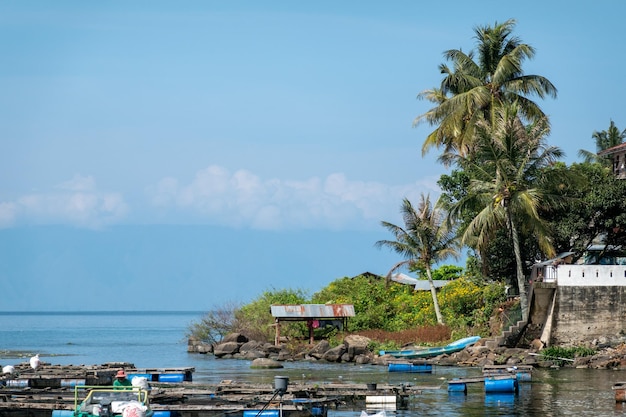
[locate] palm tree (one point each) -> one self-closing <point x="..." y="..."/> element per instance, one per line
<point x="604" y="139"/>
<point x="425" y="240"/>
<point x="472" y="90"/>
<point x="509" y="179"/>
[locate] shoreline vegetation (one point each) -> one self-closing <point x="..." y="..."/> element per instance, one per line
<point x="393" y="316"/>
<point x="357" y="349"/>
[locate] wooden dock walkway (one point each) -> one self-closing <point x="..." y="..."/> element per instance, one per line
<point x="209" y="400"/>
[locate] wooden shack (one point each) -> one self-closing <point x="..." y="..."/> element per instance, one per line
<point x="311" y="313"/>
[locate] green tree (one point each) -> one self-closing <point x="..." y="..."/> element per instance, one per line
<point x="472" y="89"/>
<point x="604" y="139"/>
<point x="595" y="209"/>
<point x="509" y="183"/>
<point x="425" y="240"/>
<point x="255" y="318"/>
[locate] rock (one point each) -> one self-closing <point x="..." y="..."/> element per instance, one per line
<point x="537" y="345"/>
<point x="195" y="345"/>
<point x="334" y="354"/>
<point x="253" y="354"/>
<point x="356" y="341"/>
<point x="356" y="345"/>
<point x="264" y="363"/>
<point x="319" y="350"/>
<point x="362" y="359"/>
<point x="251" y="345"/>
<point x="235" y="337"/>
<point x="227" y="348"/>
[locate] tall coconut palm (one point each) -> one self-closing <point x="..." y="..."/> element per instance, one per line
<point x="472" y="89"/>
<point x="509" y="183"/>
<point x="604" y="139"/>
<point x="424" y="240"/>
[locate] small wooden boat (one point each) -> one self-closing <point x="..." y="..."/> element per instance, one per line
<point x="434" y="351"/>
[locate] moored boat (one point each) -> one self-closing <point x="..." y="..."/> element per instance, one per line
<point x="455" y="346"/>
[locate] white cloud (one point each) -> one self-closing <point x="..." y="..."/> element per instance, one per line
<point x="76" y="202"/>
<point x="242" y="199"/>
<point x="219" y="197"/>
<point x="8" y="212"/>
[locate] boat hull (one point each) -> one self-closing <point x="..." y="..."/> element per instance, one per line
<point x="432" y="352"/>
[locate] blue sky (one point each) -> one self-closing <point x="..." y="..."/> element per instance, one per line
<point x="180" y="155"/>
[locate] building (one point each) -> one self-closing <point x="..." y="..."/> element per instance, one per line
<point x="618" y="155"/>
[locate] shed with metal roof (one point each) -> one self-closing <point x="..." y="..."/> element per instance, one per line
<point x="310" y="313"/>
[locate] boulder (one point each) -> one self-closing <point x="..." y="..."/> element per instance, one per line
<point x="319" y="350"/>
<point x="227" y="348"/>
<point x="251" y="345"/>
<point x="356" y="345"/>
<point x="252" y="354"/>
<point x="264" y="363"/>
<point x="195" y="345"/>
<point x="334" y="354"/>
<point x="235" y="337"/>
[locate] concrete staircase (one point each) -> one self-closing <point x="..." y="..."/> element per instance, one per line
<point x="542" y="299"/>
<point x="509" y="337"/>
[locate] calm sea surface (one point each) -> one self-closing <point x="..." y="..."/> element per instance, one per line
<point x="157" y="340"/>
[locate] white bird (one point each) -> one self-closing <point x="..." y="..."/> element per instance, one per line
<point x="9" y="369"/>
<point x="35" y="362"/>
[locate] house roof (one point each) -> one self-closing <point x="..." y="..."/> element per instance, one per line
<point x="310" y="311"/>
<point x="614" y="149"/>
<point x="419" y="284"/>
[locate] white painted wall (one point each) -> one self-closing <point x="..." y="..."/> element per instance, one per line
<point x="589" y="275"/>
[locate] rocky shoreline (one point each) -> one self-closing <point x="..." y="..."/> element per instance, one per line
<point x="355" y="349"/>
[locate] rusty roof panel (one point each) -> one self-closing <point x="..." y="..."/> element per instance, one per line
<point x="305" y="311"/>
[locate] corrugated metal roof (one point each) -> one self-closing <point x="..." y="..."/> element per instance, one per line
<point x="318" y="311"/>
<point x="419" y="284"/>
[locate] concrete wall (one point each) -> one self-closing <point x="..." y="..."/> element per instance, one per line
<point x="542" y="303"/>
<point x="587" y="312"/>
<point x="591" y="275"/>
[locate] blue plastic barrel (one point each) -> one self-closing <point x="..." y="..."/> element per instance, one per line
<point x="523" y="376"/>
<point x="62" y="413"/>
<point x="259" y="413"/>
<point x="72" y="382"/>
<point x="500" y="385"/>
<point x="171" y="377"/>
<point x="147" y="376"/>
<point x="457" y="387"/>
<point x="318" y="411"/>
<point x="16" y="383"/>
<point x="161" y="413"/>
<point x="410" y="367"/>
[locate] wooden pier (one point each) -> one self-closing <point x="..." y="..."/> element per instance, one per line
<point x="53" y="388"/>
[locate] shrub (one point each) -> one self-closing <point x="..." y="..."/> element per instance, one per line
<point x="215" y="324"/>
<point x="255" y="319"/>
<point x="559" y="354"/>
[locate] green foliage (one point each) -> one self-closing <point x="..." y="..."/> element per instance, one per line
<point x="258" y="318"/>
<point x="559" y="354"/>
<point x="381" y="307"/>
<point x="594" y="207"/>
<point x="447" y="272"/>
<point x="368" y="295"/>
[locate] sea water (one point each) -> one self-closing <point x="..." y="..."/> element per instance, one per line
<point x="159" y="340"/>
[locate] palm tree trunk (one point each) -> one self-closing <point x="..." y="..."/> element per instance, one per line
<point x="521" y="280"/>
<point x="433" y="292"/>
